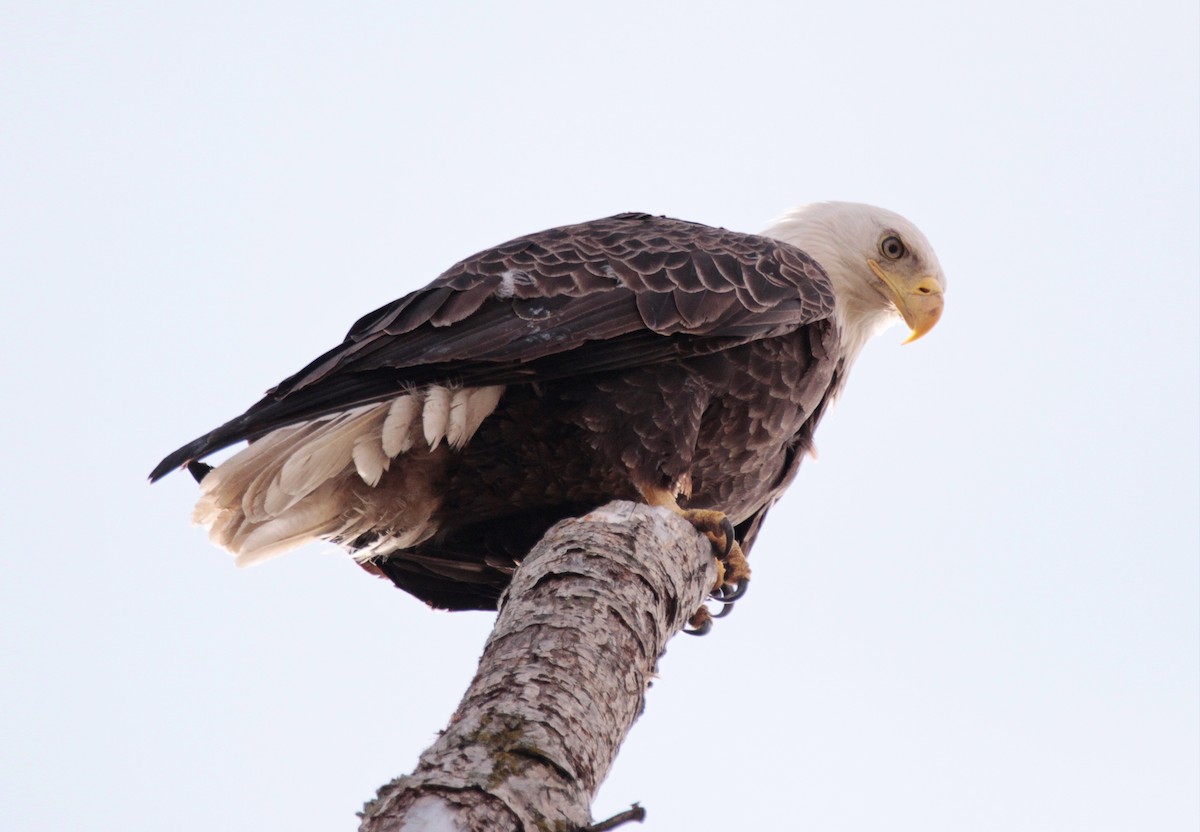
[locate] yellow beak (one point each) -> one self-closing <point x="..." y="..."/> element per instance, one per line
<point x="919" y="301"/>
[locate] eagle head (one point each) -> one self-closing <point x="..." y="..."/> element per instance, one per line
<point x="881" y="266"/>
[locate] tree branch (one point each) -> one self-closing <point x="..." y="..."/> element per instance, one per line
<point x="562" y="678"/>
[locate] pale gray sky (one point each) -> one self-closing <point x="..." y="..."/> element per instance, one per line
<point x="977" y="611"/>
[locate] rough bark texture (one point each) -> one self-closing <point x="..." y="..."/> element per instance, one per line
<point x="562" y="678"/>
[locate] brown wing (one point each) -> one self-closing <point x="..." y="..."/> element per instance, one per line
<point x="625" y="291"/>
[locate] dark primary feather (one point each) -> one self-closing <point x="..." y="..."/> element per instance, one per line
<point x="623" y="292"/>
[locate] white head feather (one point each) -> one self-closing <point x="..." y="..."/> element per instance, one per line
<point x="845" y="238"/>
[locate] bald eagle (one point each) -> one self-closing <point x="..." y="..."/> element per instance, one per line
<point x="633" y="357"/>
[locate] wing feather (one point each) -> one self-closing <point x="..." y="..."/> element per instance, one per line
<point x="625" y="291"/>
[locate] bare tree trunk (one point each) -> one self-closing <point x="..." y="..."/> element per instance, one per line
<point x="561" y="680"/>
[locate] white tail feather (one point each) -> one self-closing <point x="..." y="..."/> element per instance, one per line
<point x="254" y="476"/>
<point x="456" y="420"/>
<point x="305" y="522"/>
<point x="469" y="408"/>
<point x="397" y="427"/>
<point x="336" y="477"/>
<point x="327" y="454"/>
<point x="483" y="402"/>
<point x="435" y="414"/>
<point x="369" y="459"/>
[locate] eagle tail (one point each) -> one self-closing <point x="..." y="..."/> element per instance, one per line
<point x="362" y="477"/>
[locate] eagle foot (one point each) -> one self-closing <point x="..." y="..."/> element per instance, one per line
<point x="726" y="592"/>
<point x="701" y="622"/>
<point x="733" y="571"/>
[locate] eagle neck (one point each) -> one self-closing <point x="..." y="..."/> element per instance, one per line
<point x="859" y="320"/>
<point x="861" y="311"/>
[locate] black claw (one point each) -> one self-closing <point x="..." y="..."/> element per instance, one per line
<point x="704" y="629"/>
<point x="727" y="529"/>
<point x="729" y="593"/>
<point x="725" y="610"/>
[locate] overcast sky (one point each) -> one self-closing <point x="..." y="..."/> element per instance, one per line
<point x="976" y="611"/>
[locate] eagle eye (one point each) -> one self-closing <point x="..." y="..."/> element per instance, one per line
<point x="892" y="247"/>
